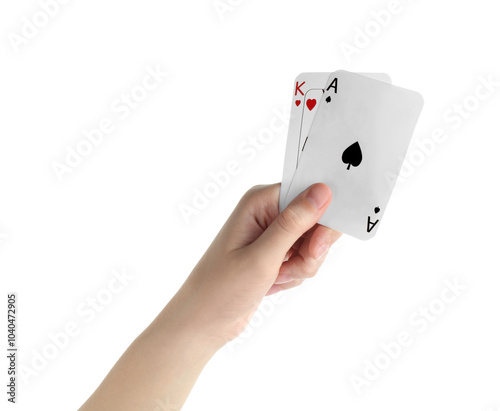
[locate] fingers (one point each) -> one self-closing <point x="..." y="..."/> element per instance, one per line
<point x="321" y="240"/>
<point x="300" y="215"/>
<point x="276" y="288"/>
<point x="296" y="246"/>
<point x="309" y="257"/>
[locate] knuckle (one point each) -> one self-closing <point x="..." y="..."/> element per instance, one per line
<point x="255" y="189"/>
<point x="309" y="268"/>
<point x="289" y="221"/>
<point x="249" y="196"/>
<point x="311" y="273"/>
<point x="251" y="193"/>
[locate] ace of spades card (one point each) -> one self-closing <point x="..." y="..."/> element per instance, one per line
<point x="308" y="91"/>
<point x="356" y="145"/>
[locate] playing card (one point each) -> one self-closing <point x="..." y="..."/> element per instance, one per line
<point x="308" y="90"/>
<point x="356" y="145"/>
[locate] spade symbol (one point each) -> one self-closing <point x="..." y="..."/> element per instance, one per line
<point x="352" y="155"/>
<point x="377" y="210"/>
<point x="328" y="99"/>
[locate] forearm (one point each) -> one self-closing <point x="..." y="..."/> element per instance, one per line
<point x="159" y="368"/>
<point x="218" y="299"/>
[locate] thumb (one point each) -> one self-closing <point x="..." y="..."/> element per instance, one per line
<point x="300" y="215"/>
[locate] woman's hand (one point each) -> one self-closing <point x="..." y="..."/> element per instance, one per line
<point x="258" y="252"/>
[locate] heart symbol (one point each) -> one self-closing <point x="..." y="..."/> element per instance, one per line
<point x="311" y="103"/>
<point x="297" y="103"/>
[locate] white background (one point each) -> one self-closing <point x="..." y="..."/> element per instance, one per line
<point x="227" y="77"/>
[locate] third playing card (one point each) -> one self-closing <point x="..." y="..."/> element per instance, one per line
<point x="356" y="145"/>
<point x="308" y="90"/>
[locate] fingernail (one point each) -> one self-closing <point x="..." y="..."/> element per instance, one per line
<point x="322" y="250"/>
<point x="282" y="279"/>
<point x="318" y="195"/>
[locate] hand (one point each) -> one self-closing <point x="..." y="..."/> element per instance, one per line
<point x="258" y="252"/>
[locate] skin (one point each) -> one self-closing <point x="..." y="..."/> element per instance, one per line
<point x="257" y="252"/>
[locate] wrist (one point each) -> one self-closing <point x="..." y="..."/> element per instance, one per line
<point x="181" y="325"/>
